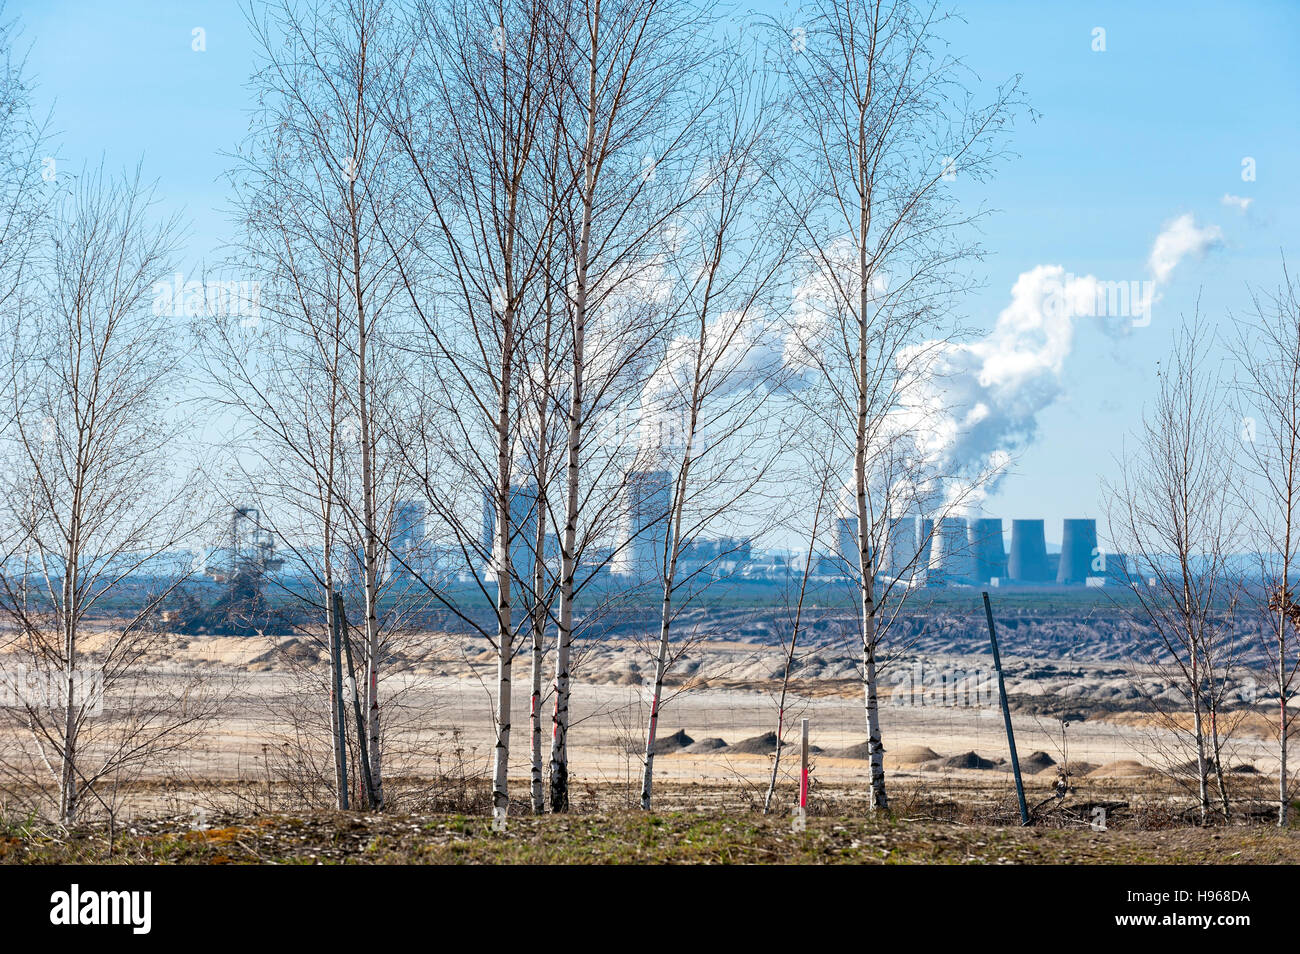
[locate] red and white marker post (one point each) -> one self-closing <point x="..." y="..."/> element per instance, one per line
<point x="803" y="766"/>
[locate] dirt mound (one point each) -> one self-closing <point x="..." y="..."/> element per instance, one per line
<point x="706" y="745"/>
<point x="860" y="751"/>
<point x="1244" y="769"/>
<point x="1037" y="762"/>
<point x="1124" y="768"/>
<point x="764" y="744"/>
<point x="967" y="760"/>
<point x="1076" y="769"/>
<point x="672" y="743"/>
<point x="909" y="756"/>
<point x="904" y="756"/>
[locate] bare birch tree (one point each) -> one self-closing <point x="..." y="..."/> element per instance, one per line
<point x="315" y="371"/>
<point x="95" y="500"/>
<point x="1171" y="511"/>
<point x="883" y="124"/>
<point x="473" y="124"/>
<point x="638" y="83"/>
<point x="1267" y="352"/>
<point x="716" y="435"/>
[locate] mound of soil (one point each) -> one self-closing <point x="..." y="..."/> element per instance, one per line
<point x="967" y="760"/>
<point x="860" y="751"/>
<point x="1076" y="769"/>
<point x="706" y="745"/>
<point x="1244" y="769"/>
<point x="905" y="756"/>
<point x="764" y="744"/>
<point x="1036" y="762"/>
<point x="1124" y="768"/>
<point x="672" y="743"/>
<point x="911" y="754"/>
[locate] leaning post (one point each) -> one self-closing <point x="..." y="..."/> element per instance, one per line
<point x="1006" y="713"/>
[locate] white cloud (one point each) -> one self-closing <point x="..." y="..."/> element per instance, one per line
<point x="968" y="405"/>
<point x="1179" y="238"/>
<point x="979" y="401"/>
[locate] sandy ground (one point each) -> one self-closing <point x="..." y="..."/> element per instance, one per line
<point x="722" y="691"/>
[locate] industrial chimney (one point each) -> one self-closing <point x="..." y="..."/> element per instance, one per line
<point x="1028" y="561"/>
<point x="985" y="538"/>
<point x="1078" y="550"/>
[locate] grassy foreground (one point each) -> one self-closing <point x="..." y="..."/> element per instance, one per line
<point x="633" y="838"/>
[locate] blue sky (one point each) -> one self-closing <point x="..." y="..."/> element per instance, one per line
<point x="1154" y="127"/>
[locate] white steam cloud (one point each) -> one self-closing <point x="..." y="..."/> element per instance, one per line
<point x="978" y="402"/>
<point x="1179" y="239"/>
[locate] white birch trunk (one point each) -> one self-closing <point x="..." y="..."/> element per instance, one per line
<point x="870" y="683"/>
<point x="536" y="789"/>
<point x="370" y="546"/>
<point x="669" y="567"/>
<point x="68" y="791"/>
<point x="568" y="557"/>
<point x="501" y="546"/>
<point x="564" y="636"/>
<point x="661" y="668"/>
<point x="1202" y="770"/>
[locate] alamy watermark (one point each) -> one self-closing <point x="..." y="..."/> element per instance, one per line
<point x="918" y="686"/>
<point x="209" y="299"/>
<point x="1075" y="297"/>
<point x="24" y="688"/>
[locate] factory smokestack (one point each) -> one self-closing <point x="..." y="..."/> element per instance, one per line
<point x="985" y="538"/>
<point x="1078" y="550"/>
<point x="1028" y="562"/>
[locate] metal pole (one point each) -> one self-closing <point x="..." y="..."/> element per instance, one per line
<point x="803" y="771"/>
<point x="338" y="713"/>
<point x="1006" y="714"/>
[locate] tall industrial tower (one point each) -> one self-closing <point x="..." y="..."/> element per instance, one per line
<point x="990" y="559"/>
<point x="408" y="532"/>
<point x="1078" y="552"/>
<point x="951" y="560"/>
<point x="522" y="532"/>
<point x="1028" y="560"/>
<point x="647" y="500"/>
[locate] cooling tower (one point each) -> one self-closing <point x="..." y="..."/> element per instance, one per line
<point x="1078" y="550"/>
<point x="647" y="496"/>
<point x="846" y="546"/>
<point x="926" y="543"/>
<point x="1028" y="560"/>
<point x="985" y="540"/>
<point x="903" y="562"/>
<point x="951" y="560"/>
